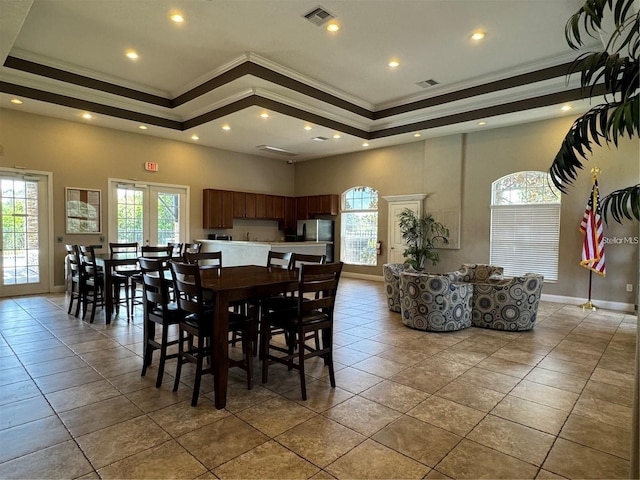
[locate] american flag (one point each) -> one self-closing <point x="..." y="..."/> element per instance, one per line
<point x="591" y="227"/>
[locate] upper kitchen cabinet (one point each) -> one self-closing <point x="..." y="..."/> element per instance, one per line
<point x="217" y="209"/>
<point x="239" y="205"/>
<point x="278" y="207"/>
<point x="323" y="205"/>
<point x="302" y="208"/>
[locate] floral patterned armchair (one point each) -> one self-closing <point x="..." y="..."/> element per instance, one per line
<point x="391" y="273"/>
<point x="434" y="303"/>
<point x="509" y="304"/>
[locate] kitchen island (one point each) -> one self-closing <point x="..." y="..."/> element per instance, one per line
<point x="236" y="253"/>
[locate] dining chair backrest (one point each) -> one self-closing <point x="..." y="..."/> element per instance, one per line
<point x="320" y="283"/>
<point x="176" y="249"/>
<point x="73" y="256"/>
<point x="156" y="286"/>
<point x="88" y="267"/>
<point x="299" y="259"/>
<point x="279" y="260"/>
<point x="192" y="248"/>
<point x="163" y="251"/>
<point x="129" y="247"/>
<point x="187" y="282"/>
<point x="202" y="259"/>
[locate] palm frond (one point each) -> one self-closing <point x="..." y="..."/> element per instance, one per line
<point x="622" y="204"/>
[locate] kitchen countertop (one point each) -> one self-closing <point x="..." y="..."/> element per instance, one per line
<point x="274" y="244"/>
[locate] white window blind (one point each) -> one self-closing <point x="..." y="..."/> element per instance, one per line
<point x="525" y="238"/>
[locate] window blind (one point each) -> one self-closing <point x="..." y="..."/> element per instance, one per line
<point x="526" y="238"/>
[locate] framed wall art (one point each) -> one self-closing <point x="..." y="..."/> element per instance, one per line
<point x="83" y="210"/>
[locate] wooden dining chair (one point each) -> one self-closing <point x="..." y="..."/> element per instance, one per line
<point x="312" y="317"/>
<point x="164" y="252"/>
<point x="279" y="259"/>
<point x="197" y="323"/>
<point x="158" y="310"/>
<point x="176" y="249"/>
<point x="92" y="292"/>
<point x="191" y="248"/>
<point x="204" y="259"/>
<point x="121" y="277"/>
<point x="75" y="289"/>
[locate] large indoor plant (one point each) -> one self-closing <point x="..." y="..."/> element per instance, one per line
<point x="421" y="235"/>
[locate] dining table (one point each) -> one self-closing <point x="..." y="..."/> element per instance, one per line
<point x="109" y="262"/>
<point x="232" y="284"/>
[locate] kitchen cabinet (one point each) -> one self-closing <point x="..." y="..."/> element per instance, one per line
<point x="238" y="205"/>
<point x="278" y="207"/>
<point x="250" y="205"/>
<point x="302" y="208"/>
<point x="323" y="204"/>
<point x="268" y="207"/>
<point x="217" y="208"/>
<point x="261" y="205"/>
<point x="290" y="221"/>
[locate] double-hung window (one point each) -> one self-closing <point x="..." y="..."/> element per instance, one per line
<point x="359" y="226"/>
<point x="525" y="224"/>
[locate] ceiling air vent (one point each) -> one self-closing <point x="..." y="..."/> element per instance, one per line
<point x="280" y="151"/>
<point x="319" y="16"/>
<point x="427" y="83"/>
<point x="320" y="139"/>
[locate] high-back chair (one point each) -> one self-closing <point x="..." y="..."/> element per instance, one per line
<point x="164" y="252"/>
<point x="121" y="276"/>
<point x="197" y="322"/>
<point x="158" y="310"/>
<point x="204" y="259"/>
<point x="176" y="249"/>
<point x="92" y="281"/>
<point x="73" y="260"/>
<point x="279" y="259"/>
<point x="298" y="259"/>
<point x="191" y="248"/>
<point x="312" y="317"/>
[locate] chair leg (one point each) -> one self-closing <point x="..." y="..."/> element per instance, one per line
<point x="199" y="362"/>
<point x="181" y="341"/>
<point x="71" y="299"/>
<point x="163" y="355"/>
<point x="247" y="347"/>
<point x="149" y="333"/>
<point x="264" y="349"/>
<point x="303" y="385"/>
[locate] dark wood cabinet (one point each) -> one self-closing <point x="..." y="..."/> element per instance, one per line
<point x="238" y="205"/>
<point x="278" y="207"/>
<point x="217" y="209"/>
<point x="250" y="205"/>
<point x="290" y="221"/>
<point x="302" y="208"/>
<point x="268" y="207"/>
<point x="261" y="205"/>
<point x="323" y="205"/>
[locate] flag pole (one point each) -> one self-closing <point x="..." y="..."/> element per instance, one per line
<point x="589" y="305"/>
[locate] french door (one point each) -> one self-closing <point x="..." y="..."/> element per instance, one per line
<point x="150" y="214"/>
<point x="24" y="235"/>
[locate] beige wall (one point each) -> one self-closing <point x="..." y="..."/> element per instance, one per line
<point x="82" y="155"/>
<point x="451" y="170"/>
<point x="464" y="166"/>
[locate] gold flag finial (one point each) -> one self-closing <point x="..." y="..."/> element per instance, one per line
<point x="595" y="171"/>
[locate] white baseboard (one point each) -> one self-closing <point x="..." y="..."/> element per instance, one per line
<point x="58" y="289"/>
<point x="618" y="306"/>
<point x="363" y="276"/>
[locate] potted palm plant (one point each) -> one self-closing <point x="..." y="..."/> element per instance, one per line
<point x="421" y="234"/>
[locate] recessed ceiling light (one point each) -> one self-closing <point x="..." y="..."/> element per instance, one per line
<point x="195" y="137"/>
<point x="307" y="127"/>
<point x="87" y="116"/>
<point x="132" y="54"/>
<point x="176" y="17"/>
<point x="477" y="36"/>
<point x="482" y="123"/>
<point x="365" y="144"/>
<point x="566" y="108"/>
<point x="333" y="27"/>
<point x="226" y="127"/>
<point x="336" y="135"/>
<point x="418" y="134"/>
<point x="264" y="115"/>
<point x="16" y="101"/>
<point x="394" y="63"/>
<point x="142" y="127"/>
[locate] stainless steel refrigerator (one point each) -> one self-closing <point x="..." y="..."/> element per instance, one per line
<point x="317" y="231"/>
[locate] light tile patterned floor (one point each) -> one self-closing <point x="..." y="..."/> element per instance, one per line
<point x="551" y="403"/>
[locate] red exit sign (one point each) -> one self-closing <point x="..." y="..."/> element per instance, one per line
<point x="151" y="166"/>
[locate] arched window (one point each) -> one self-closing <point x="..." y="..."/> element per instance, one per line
<point x="525" y="224"/>
<point x="359" y="226"/>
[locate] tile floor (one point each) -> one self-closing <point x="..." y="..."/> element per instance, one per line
<point x="551" y="403"/>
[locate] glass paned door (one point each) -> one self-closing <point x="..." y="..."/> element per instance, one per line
<point x="150" y="214"/>
<point x="23" y="237"/>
